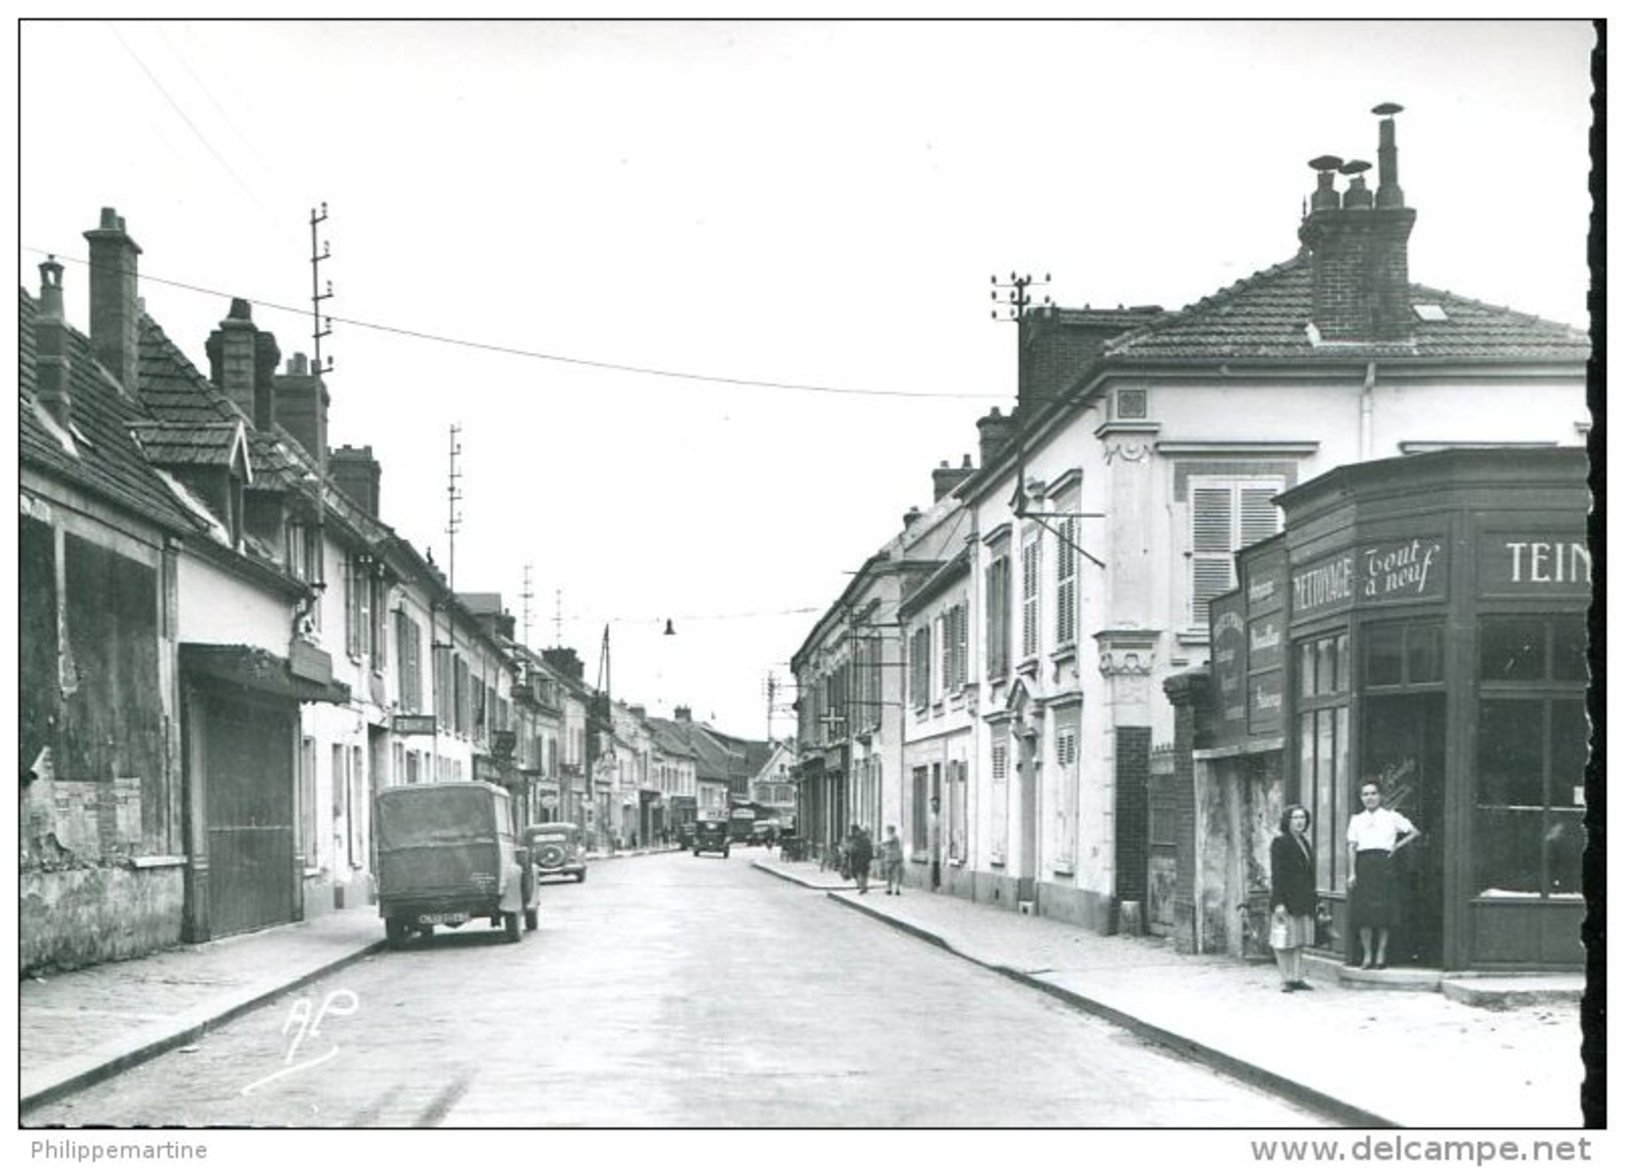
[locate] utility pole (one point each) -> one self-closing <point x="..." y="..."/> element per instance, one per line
<point x="1015" y="299"/>
<point x="558" y="618"/>
<point x="772" y="692"/>
<point x="454" y="517"/>
<point x="525" y="596"/>
<point x="321" y="326"/>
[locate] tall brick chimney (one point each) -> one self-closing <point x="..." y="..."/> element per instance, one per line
<point x="1358" y="250"/>
<point x="51" y="364"/>
<point x="357" y="474"/>
<point x="682" y="714"/>
<point x="301" y="406"/>
<point x="993" y="434"/>
<point x="242" y="362"/>
<point x="115" y="310"/>
<point x="945" y="478"/>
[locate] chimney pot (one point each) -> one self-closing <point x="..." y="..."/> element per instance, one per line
<point x="52" y="368"/>
<point x="1389" y="193"/>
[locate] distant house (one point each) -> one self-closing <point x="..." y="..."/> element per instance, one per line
<point x="772" y="787"/>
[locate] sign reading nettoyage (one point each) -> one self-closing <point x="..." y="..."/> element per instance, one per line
<point x="1374" y="573"/>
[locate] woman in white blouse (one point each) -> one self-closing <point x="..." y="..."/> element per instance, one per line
<point x="1375" y="834"/>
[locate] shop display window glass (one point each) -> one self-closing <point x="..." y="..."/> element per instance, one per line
<point x="1323" y="750"/>
<point x="1385" y="655"/>
<point x="1533" y="741"/>
<point x="1405" y="654"/>
<point x="1569" y="649"/>
<point x="1511" y="649"/>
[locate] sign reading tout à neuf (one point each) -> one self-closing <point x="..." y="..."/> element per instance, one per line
<point x="1375" y="573"/>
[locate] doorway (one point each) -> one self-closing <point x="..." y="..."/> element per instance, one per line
<point x="1027" y="777"/>
<point x="1403" y="747"/>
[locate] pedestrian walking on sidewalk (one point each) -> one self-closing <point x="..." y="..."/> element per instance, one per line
<point x="1374" y="835"/>
<point x="1292" y="896"/>
<point x="862" y="851"/>
<point x="891" y="862"/>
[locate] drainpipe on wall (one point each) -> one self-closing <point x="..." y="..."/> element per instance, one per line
<point x="1366" y="409"/>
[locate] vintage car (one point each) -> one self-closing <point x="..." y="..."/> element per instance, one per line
<point x="447" y="856"/>
<point x="557" y="850"/>
<point x="711" y="835"/>
<point x="764" y="833"/>
<point x="685" y="834"/>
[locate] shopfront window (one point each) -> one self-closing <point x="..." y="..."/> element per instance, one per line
<point x="1323" y="750"/>
<point x="1533" y="739"/>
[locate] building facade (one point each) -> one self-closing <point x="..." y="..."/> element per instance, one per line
<point x="1421" y="623"/>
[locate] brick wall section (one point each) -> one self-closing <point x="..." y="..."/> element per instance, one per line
<point x="1361" y="272"/>
<point x="1133" y="810"/>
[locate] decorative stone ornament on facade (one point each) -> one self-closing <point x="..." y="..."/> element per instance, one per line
<point x="1126" y="654"/>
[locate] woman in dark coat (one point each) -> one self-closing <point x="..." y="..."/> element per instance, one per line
<point x="1292" y="896"/>
<point x="862" y="850"/>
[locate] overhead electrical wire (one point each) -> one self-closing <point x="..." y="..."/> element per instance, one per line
<point x="559" y="358"/>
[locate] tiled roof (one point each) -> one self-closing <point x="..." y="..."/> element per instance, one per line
<point x="187" y="443"/>
<point x="174" y="391"/>
<point x="1266" y="316"/>
<point x="103" y="458"/>
<point x="171" y="387"/>
<point x="669" y="739"/>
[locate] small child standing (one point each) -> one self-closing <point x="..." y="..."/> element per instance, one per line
<point x="891" y="856"/>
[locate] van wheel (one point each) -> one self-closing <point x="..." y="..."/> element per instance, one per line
<point x="394" y="932"/>
<point x="510" y="926"/>
<point x="581" y="876"/>
<point x="532" y="919"/>
<point x="724" y="853"/>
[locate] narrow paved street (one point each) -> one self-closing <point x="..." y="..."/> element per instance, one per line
<point x="671" y="991"/>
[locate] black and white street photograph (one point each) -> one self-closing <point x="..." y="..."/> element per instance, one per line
<point x="847" y="576"/>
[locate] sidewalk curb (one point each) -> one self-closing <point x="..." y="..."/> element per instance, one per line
<point x="792" y="878"/>
<point x="1208" y="1056"/>
<point x="49" y="1086"/>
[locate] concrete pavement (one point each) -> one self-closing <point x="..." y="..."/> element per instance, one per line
<point x="1415" y="1059"/>
<point x="1358" y="1052"/>
<point x="80" y="1027"/>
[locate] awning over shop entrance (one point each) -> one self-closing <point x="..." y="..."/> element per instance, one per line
<point x="248" y="667"/>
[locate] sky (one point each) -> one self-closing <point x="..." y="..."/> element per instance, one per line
<point x="708" y="301"/>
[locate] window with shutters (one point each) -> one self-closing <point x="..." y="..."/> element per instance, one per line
<point x="1226" y="516"/>
<point x="1066" y="583"/>
<point x="354" y="810"/>
<point x="961" y="657"/>
<point x="957" y="825"/>
<point x="953" y="651"/>
<point x="919" y="810"/>
<point x="919" y="660"/>
<point x="443" y="706"/>
<point x="378" y="625"/>
<point x="1029" y="595"/>
<point x="353" y="606"/>
<point x="998" y="618"/>
<point x="999" y="828"/>
<point x="1065" y="842"/>
<point x="409" y="663"/>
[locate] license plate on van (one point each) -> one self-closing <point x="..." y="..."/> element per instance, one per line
<point x="443" y="918"/>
